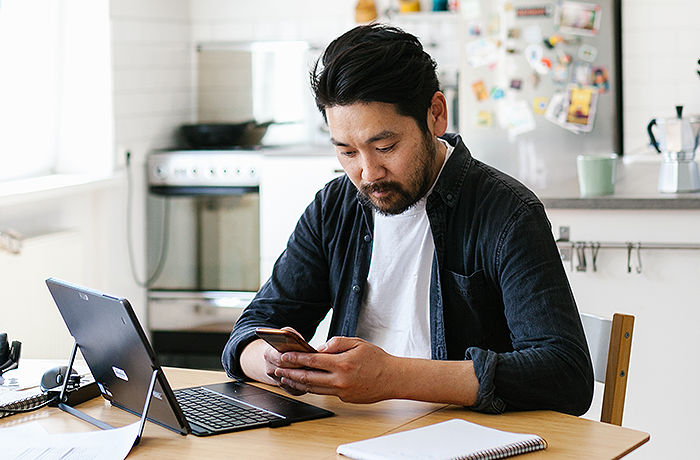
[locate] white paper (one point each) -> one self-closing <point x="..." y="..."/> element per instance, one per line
<point x="446" y="440"/>
<point x="30" y="440"/>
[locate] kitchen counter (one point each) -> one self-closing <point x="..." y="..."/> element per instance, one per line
<point x="636" y="188"/>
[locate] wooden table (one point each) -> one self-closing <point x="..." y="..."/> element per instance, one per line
<point x="567" y="436"/>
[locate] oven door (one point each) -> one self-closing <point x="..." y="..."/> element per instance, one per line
<point x="204" y="258"/>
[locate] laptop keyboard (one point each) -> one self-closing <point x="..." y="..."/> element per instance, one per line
<point x="217" y="412"/>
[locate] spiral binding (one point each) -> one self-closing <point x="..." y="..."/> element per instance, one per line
<point x="522" y="447"/>
<point x="28" y="404"/>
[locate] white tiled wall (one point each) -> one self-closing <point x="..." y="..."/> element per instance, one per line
<point x="661" y="48"/>
<point x="152" y="71"/>
<point x="314" y="20"/>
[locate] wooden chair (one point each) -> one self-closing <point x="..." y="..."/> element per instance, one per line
<point x="610" y="343"/>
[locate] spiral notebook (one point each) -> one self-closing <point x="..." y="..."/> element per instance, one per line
<point x="451" y="440"/>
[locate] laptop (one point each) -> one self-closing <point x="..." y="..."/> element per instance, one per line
<point x="122" y="362"/>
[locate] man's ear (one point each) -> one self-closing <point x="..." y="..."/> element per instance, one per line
<point x="437" y="114"/>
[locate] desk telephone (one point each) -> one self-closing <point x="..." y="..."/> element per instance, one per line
<point x="9" y="354"/>
<point x="50" y="383"/>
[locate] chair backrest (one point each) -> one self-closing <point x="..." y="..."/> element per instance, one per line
<point x="610" y="343"/>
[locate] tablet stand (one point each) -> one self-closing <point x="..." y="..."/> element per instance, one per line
<point x="63" y="397"/>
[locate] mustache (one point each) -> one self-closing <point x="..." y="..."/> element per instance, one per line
<point x="380" y="187"/>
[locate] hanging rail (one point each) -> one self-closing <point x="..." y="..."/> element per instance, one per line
<point x="569" y="248"/>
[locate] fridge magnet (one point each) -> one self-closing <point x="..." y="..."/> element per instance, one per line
<point x="519" y="118"/>
<point x="559" y="74"/>
<point x="475" y="28"/>
<point x="534" y="80"/>
<point x="577" y="18"/>
<point x="600" y="79"/>
<point x="480" y="90"/>
<point x="534" y="55"/>
<point x="533" y="34"/>
<point x="553" y="40"/>
<point x="481" y="52"/>
<point x="582" y="107"/>
<point x="563" y="57"/>
<point x="514" y="33"/>
<point x="484" y="119"/>
<point x="535" y="12"/>
<point x="539" y="105"/>
<point x="581" y="74"/>
<point x="544" y="66"/>
<point x="516" y="84"/>
<point x="497" y="93"/>
<point x="587" y="53"/>
<point x="572" y="40"/>
<point x="556" y="109"/>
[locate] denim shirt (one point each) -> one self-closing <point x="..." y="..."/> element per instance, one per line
<point x="499" y="295"/>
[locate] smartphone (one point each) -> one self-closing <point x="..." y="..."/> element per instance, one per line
<point x="284" y="341"/>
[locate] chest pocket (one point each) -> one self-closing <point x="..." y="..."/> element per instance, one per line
<point x="471" y="317"/>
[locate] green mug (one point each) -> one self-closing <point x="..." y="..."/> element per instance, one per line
<point x="596" y="174"/>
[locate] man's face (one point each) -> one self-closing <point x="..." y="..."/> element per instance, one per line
<point x="386" y="155"/>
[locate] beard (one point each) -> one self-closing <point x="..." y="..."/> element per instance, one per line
<point x="401" y="197"/>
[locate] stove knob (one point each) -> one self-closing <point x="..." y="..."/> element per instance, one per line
<point x="160" y="171"/>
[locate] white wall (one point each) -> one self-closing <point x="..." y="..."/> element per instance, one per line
<point x="662" y="395"/>
<point x="152" y="96"/>
<point x="661" y="48"/>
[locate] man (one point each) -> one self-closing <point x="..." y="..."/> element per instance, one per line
<point x="443" y="276"/>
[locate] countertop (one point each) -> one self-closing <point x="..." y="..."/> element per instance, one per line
<point x="636" y="188"/>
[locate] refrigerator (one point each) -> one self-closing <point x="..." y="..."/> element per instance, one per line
<point x="540" y="84"/>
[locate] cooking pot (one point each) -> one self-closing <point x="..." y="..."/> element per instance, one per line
<point x="223" y="135"/>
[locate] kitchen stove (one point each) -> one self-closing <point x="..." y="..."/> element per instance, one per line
<point x="203" y="248"/>
<point x="171" y="170"/>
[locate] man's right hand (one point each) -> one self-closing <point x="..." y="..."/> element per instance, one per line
<point x="263" y="370"/>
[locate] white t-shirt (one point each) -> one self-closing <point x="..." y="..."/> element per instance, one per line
<point x="395" y="312"/>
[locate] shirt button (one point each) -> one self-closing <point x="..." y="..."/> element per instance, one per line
<point x="356" y="288"/>
<point x="368" y="238"/>
<point x="449" y="197"/>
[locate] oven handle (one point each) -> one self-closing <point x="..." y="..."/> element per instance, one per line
<point x="169" y="190"/>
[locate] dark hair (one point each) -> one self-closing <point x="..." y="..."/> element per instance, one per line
<point x="376" y="63"/>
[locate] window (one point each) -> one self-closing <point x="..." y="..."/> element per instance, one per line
<point x="28" y="88"/>
<point x="56" y="113"/>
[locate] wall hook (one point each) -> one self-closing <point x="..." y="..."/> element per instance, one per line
<point x="594" y="254"/>
<point x="581" y="253"/>
<point x="639" y="258"/>
<point x="630" y="246"/>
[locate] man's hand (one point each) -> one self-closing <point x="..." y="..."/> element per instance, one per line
<point x="264" y="371"/>
<point x="357" y="371"/>
<point x="350" y="368"/>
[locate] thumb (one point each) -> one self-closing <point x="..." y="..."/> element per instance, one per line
<point x="338" y="345"/>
